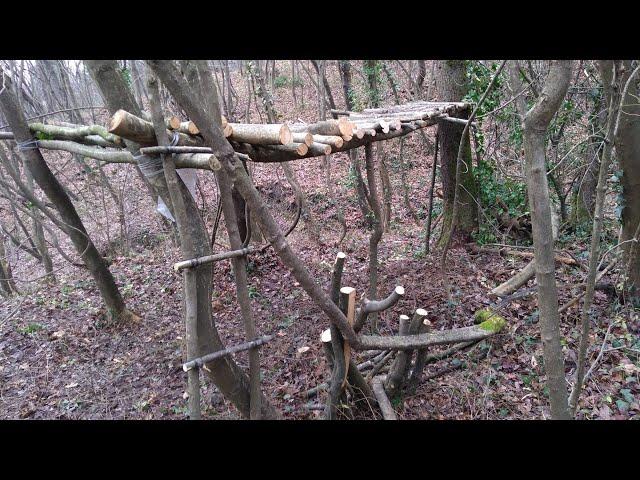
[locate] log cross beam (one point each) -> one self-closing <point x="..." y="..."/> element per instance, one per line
<point x="201" y="361"/>
<point x="194" y="262"/>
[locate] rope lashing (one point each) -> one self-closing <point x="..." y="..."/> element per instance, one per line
<point x="31" y="144"/>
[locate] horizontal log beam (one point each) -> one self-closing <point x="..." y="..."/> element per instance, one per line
<point x="199" y="362"/>
<point x="194" y="262"/>
<point x="411" y="342"/>
<point x="341" y="127"/>
<point x="140" y="131"/>
<point x="203" y="161"/>
<point x="261" y="134"/>
<point x="333" y="140"/>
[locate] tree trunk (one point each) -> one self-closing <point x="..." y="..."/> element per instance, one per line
<point x="376" y="234"/>
<point x="38" y="235"/>
<point x="224" y="372"/>
<point x="613" y="96"/>
<point x="627" y="143"/>
<point x="190" y="303"/>
<point x="584" y="196"/>
<point x="536" y="122"/>
<point x="7" y="284"/>
<point x="451" y="85"/>
<point x="327" y="87"/>
<point x="372" y="74"/>
<point x="354" y="171"/>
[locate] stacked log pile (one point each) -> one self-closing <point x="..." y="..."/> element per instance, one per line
<point x="258" y="142"/>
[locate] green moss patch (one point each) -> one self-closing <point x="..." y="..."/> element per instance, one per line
<point x="489" y="320"/>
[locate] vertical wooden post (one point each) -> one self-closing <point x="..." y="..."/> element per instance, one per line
<point x="348" y="307"/>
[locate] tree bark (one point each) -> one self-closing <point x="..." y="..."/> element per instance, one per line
<point x="190" y="303"/>
<point x="451" y="85"/>
<point x="376" y="234"/>
<point x="536" y="122"/>
<point x="627" y="143"/>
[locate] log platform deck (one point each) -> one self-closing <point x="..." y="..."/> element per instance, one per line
<point x="267" y="143"/>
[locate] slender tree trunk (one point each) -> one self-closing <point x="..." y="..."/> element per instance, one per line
<point x="325" y="82"/>
<point x="372" y="70"/>
<point x="376" y="234"/>
<point x="536" y="122"/>
<point x="613" y="96"/>
<point x="38" y="235"/>
<point x="422" y="73"/>
<point x="210" y="99"/>
<point x="190" y="304"/>
<point x="584" y="195"/>
<point x="7" y="283"/>
<point x="355" y="172"/>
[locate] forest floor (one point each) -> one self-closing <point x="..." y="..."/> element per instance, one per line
<point x="59" y="358"/>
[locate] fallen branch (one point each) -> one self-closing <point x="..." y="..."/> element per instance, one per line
<point x="388" y="413"/>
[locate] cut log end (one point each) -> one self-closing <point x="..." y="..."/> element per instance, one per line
<point x="326" y="336"/>
<point x="117" y="120"/>
<point x="192" y="128"/>
<point x="285" y="135"/>
<point x="347" y="290"/>
<point x="345" y="127"/>
<point x="228" y="130"/>
<point x="214" y="163"/>
<point x="341" y="255"/>
<point x="174" y="123"/>
<point x="399" y="290"/>
<point x="302" y="149"/>
<point x="421" y="312"/>
<point x="308" y="139"/>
